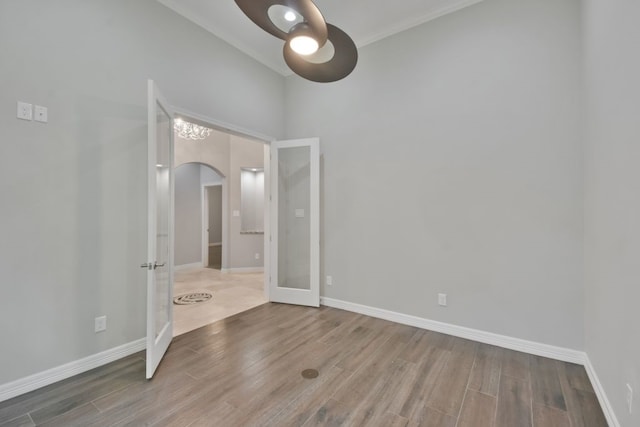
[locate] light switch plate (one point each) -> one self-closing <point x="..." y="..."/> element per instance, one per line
<point x="25" y="111"/>
<point x="299" y="213"/>
<point x="40" y="114"/>
<point x="100" y="324"/>
<point x="442" y="300"/>
<point x="236" y="213"/>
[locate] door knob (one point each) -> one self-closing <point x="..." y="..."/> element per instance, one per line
<point x="146" y="265"/>
<point x="156" y="265"/>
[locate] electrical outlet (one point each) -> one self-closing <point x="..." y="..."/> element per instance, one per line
<point x="329" y="281"/>
<point x="629" y="398"/>
<point x="101" y="324"/>
<point x="41" y="114"/>
<point x="442" y="300"/>
<point x="257" y="255"/>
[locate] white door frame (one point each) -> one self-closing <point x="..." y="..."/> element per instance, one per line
<point x="258" y="137"/>
<point x="204" y="200"/>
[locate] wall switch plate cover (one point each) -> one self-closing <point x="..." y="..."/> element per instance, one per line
<point x="442" y="300"/>
<point x="100" y="324"/>
<point x="25" y="111"/>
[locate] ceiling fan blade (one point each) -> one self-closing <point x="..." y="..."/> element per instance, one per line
<point x="258" y="12"/>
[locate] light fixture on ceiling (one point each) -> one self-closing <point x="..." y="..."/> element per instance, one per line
<point x="314" y="49"/>
<point x="301" y="40"/>
<point x="187" y="130"/>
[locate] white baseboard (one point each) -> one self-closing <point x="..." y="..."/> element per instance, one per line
<point x="191" y="266"/>
<point x="243" y="270"/>
<point x="531" y="347"/>
<point x="59" y="373"/>
<point x="50" y="376"/>
<point x="609" y="414"/>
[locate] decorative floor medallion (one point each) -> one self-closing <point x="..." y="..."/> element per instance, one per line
<point x="192" y="298"/>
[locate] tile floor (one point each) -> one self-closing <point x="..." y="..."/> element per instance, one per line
<point x="232" y="293"/>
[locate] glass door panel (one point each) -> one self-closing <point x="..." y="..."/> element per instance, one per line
<point x="295" y="200"/>
<point x="159" y="263"/>
<point x="163" y="170"/>
<point x="294" y="234"/>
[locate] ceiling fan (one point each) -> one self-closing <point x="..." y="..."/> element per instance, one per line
<point x="313" y="49"/>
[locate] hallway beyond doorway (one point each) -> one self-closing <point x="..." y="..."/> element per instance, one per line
<point x="232" y="293"/>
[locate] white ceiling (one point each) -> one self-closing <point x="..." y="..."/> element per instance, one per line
<point x="366" y="21"/>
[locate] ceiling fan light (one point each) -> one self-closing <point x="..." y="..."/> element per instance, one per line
<point x="304" y="45"/>
<point x="290" y="16"/>
<point x="331" y="63"/>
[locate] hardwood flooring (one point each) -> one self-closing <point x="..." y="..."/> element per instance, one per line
<point x="246" y="371"/>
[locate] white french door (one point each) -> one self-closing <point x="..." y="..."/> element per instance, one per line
<point x="159" y="263"/>
<point x="295" y="222"/>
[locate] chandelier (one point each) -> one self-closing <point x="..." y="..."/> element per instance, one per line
<point x="192" y="131"/>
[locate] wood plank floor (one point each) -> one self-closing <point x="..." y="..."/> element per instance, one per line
<point x="246" y="371"/>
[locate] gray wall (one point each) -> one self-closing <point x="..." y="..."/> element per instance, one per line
<point x="455" y="147"/>
<point x="252" y="200"/>
<point x="74" y="222"/>
<point x="188" y="215"/>
<point x="244" y="153"/>
<point x="209" y="176"/>
<point x="612" y="198"/>
<point x="189" y="179"/>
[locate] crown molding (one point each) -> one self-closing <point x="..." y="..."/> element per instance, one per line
<point x="414" y="21"/>
<point x="174" y="5"/>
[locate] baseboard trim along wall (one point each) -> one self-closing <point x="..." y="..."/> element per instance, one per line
<point x="538" y="349"/>
<point x="243" y="270"/>
<point x="531" y="347"/>
<point x="50" y="376"/>
<point x="187" y="266"/>
<point x="612" y="420"/>
<point x="59" y="373"/>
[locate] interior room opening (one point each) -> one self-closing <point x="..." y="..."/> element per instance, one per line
<point x="219" y="226"/>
